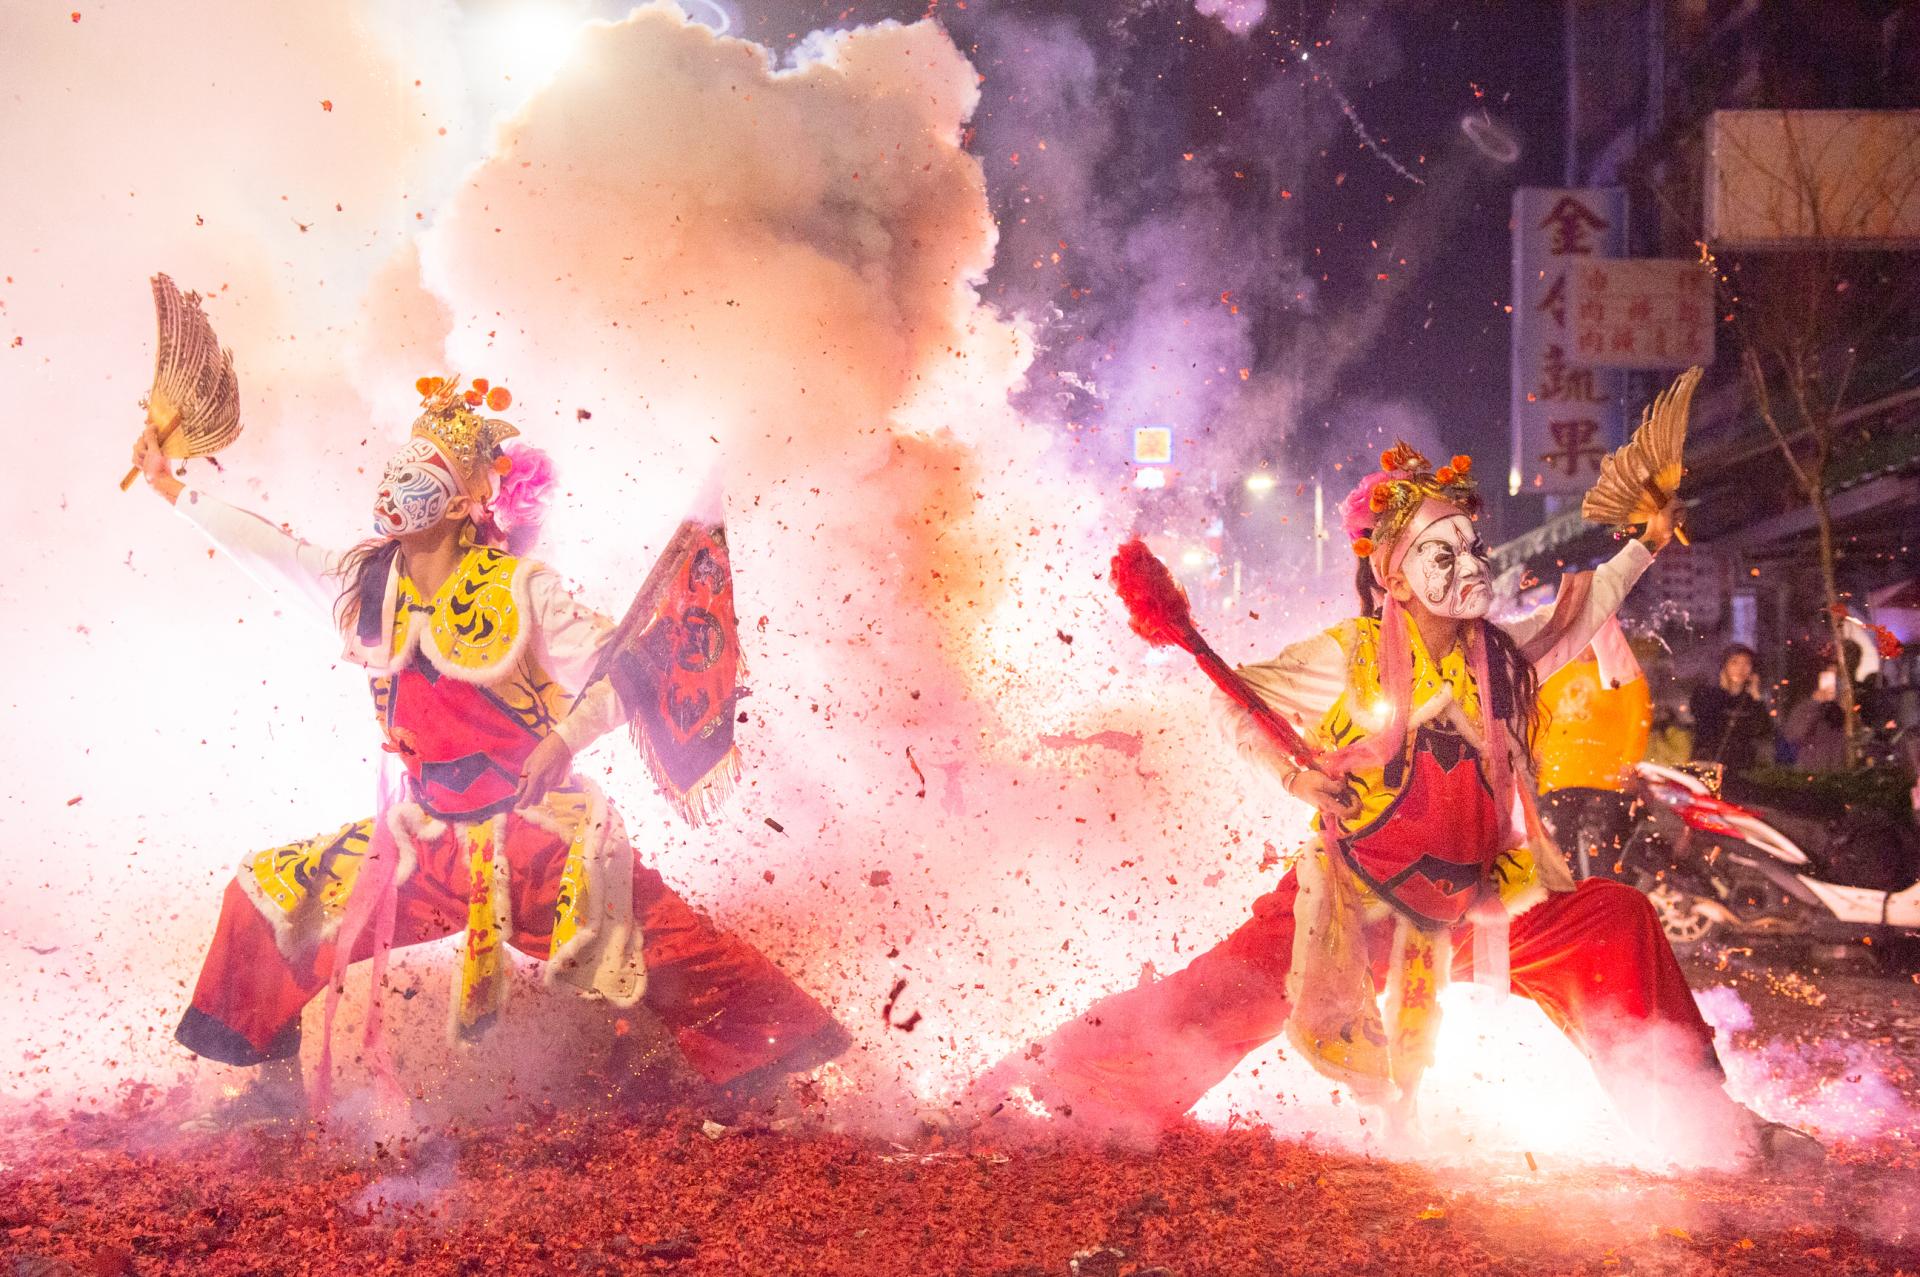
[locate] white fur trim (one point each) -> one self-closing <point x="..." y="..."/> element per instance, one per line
<point x="297" y="932"/>
<point x="1310" y="877"/>
<point x="1522" y="901"/>
<point x="409" y="823"/>
<point x="1441" y="702"/>
<point x="603" y="959"/>
<point x="285" y="925"/>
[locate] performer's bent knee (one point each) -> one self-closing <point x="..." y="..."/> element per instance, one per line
<point x="1628" y="903"/>
<point x="208" y="1038"/>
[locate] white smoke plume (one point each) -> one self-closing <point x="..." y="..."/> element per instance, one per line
<point x="1237" y="16"/>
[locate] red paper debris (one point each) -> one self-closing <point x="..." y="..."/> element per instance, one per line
<point x="555" y="1191"/>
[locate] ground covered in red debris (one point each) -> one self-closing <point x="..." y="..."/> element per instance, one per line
<point x="603" y="1196"/>
<point x="558" y="1192"/>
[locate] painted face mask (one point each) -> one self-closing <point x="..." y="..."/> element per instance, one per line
<point x="414" y="490"/>
<point x="1448" y="571"/>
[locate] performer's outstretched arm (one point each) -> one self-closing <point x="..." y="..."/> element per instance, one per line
<point x="1556" y="633"/>
<point x="269" y="554"/>
<point x="266" y="552"/>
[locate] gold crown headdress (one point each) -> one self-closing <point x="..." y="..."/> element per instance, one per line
<point x="451" y="421"/>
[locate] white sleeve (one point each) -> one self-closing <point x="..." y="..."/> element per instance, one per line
<point x="1611" y="582"/>
<point x="1301" y="685"/>
<point x="265" y="551"/>
<point x="569" y="637"/>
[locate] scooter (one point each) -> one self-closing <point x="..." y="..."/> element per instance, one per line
<point x="1719" y="870"/>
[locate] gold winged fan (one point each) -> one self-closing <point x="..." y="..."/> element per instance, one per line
<point x="194" y="405"/>
<point x="1637" y="481"/>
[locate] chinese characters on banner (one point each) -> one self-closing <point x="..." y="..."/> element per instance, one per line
<point x="1642" y="312"/>
<point x="1566" y="413"/>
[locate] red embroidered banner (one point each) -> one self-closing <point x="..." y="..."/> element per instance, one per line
<point x="675" y="663"/>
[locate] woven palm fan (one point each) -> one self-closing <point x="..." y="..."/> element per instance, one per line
<point x="194" y="405"/>
<point x="1637" y="481"/>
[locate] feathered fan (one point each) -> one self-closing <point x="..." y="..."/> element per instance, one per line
<point x="1157" y="610"/>
<point x="194" y="405"/>
<point x="1637" y="481"/>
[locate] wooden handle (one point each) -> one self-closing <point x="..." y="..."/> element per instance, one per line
<point x="164" y="435"/>
<point x="1275" y="728"/>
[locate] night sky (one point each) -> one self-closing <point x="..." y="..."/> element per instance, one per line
<point x="1281" y="205"/>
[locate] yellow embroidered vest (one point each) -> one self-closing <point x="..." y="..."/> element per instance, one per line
<point x="461" y="700"/>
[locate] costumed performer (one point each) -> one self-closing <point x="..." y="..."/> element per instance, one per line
<point x="1430" y="863"/>
<point x="474" y="656"/>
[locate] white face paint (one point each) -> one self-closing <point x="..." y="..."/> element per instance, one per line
<point x="414" y="490"/>
<point x="1447" y="569"/>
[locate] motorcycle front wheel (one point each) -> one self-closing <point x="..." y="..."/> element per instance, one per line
<point x="1682" y="916"/>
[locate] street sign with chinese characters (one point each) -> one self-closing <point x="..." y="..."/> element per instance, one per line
<point x="1641" y="312"/>
<point x="1566" y="414"/>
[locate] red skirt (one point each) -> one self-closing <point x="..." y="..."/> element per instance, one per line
<point x="1595" y="960"/>
<point x="731" y="1010"/>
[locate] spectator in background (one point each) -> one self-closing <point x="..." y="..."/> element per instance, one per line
<point x="1731" y="725"/>
<point x="1816" y="728"/>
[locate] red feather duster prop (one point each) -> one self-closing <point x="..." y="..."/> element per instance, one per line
<point x="1157" y="608"/>
<point x="1158" y="611"/>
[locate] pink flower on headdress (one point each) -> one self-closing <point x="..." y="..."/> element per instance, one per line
<point x="524" y="489"/>
<point x="1357" y="513"/>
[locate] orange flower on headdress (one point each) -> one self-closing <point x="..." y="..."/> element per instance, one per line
<point x="1445" y="474"/>
<point x="1462" y="463"/>
<point x="1363" y="547"/>
<point x="1402" y="456"/>
<point x="430" y="386"/>
<point x="498" y="398"/>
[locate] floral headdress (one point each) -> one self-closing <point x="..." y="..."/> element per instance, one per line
<point x="1378" y="512"/>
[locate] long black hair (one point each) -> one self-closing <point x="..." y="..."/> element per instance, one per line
<point x="1515" y="694"/>
<point x="362" y="573"/>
